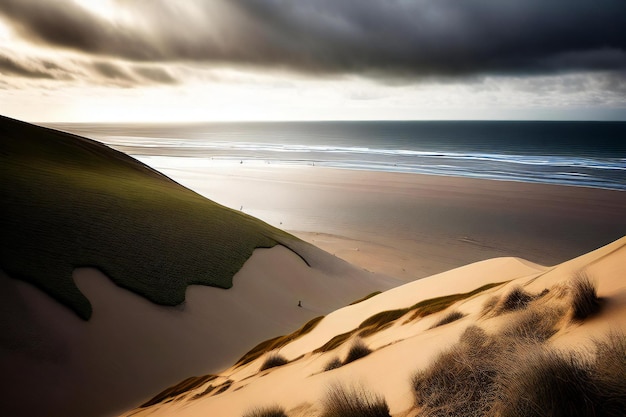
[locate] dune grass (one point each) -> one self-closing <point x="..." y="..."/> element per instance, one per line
<point x="448" y="318"/>
<point x="277" y="342"/>
<point x="380" y="321"/>
<point x="384" y="319"/>
<point x="543" y="382"/>
<point x="273" y="360"/>
<point x="353" y="402"/>
<point x="367" y="297"/>
<point x="269" y="411"/>
<point x="514" y="373"/>
<point x="437" y="304"/>
<point x="224" y="387"/>
<point x="585" y="300"/>
<point x="460" y="379"/>
<point x="608" y="374"/>
<point x="207" y="391"/>
<point x="357" y="351"/>
<point x="334" y="363"/>
<point x="516" y="299"/>
<point x="70" y="202"/>
<point x="335" y="342"/>
<point x="180" y="388"/>
<point x="533" y="325"/>
<point x="214" y="389"/>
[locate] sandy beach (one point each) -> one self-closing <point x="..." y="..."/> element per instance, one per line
<point x="410" y="225"/>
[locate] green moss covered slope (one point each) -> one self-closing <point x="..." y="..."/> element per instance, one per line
<point x="71" y="202"/>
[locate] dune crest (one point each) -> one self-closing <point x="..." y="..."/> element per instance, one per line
<point x="533" y="313"/>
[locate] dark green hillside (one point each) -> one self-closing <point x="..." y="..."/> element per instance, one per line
<point x="69" y="202"/>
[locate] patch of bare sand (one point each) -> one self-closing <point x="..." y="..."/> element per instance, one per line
<point x="132" y="348"/>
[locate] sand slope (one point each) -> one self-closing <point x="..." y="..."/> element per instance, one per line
<point x="408" y="345"/>
<point x="132" y="348"/>
<point x="84" y="343"/>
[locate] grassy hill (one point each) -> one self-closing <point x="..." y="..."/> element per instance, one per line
<point x="71" y="202"/>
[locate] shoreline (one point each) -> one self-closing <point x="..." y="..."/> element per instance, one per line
<point x="364" y="167"/>
<point x="587" y="153"/>
<point x="415" y="225"/>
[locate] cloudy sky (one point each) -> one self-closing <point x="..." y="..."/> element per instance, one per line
<point x="189" y="60"/>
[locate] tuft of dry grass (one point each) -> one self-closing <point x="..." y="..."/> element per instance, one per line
<point x="474" y="336"/>
<point x="273" y="360"/>
<point x="489" y="305"/>
<point x="180" y="388"/>
<point x="384" y="319"/>
<point x="533" y="325"/>
<point x="223" y="387"/>
<point x="208" y="390"/>
<point x="512" y="374"/>
<point x="461" y="379"/>
<point x="380" y="321"/>
<point x="334" y="342"/>
<point x="449" y="318"/>
<point x="516" y="299"/>
<point x="353" y="402"/>
<point x="334" y="363"/>
<point x="543" y="382"/>
<point x="367" y="297"/>
<point x="358" y="350"/>
<point x="437" y="304"/>
<point x="609" y="374"/>
<point x="269" y="411"/>
<point x="277" y="342"/>
<point x="585" y="301"/>
<point x="214" y="389"/>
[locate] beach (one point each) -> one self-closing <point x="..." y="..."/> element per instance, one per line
<point x="411" y="225"/>
<point x="406" y="199"/>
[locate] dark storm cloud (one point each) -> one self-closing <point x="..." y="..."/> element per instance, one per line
<point x="64" y="23"/>
<point x="381" y="38"/>
<point x="156" y="74"/>
<point x="16" y="68"/>
<point x="112" y="71"/>
<point x="132" y="76"/>
<point x="98" y="72"/>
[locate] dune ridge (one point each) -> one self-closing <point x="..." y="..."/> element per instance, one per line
<point x="530" y="319"/>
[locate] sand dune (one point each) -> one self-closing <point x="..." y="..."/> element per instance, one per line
<point x="406" y="346"/>
<point x="101" y="308"/>
<point x="132" y="348"/>
<point x="86" y="343"/>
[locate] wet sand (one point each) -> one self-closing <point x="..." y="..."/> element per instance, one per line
<point x="410" y="225"/>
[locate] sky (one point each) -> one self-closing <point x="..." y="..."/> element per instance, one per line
<point x="230" y="60"/>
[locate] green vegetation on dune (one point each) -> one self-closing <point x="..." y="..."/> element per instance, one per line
<point x="277" y="342"/>
<point x="367" y="297"/>
<point x="71" y="202"/>
<point x="178" y="389"/>
<point x="270" y="411"/>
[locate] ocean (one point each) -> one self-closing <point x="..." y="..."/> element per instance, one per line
<point x="589" y="154"/>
